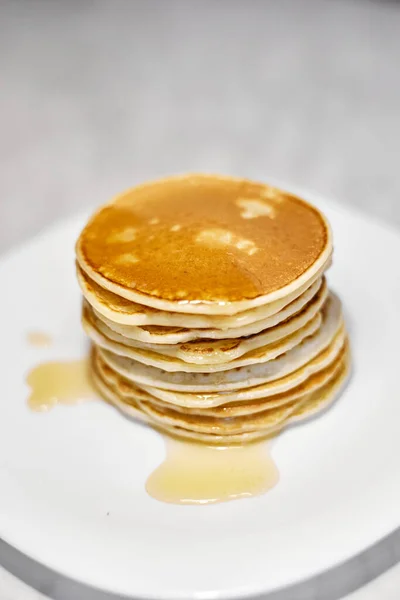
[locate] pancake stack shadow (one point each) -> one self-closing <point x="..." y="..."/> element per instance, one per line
<point x="207" y="306"/>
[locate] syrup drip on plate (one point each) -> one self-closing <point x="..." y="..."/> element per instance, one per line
<point x="55" y="383"/>
<point x="39" y="339"/>
<point x="191" y="473"/>
<point x="198" y="474"/>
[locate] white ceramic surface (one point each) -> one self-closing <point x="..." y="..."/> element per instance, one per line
<point x="96" y="96"/>
<point x="72" y="481"/>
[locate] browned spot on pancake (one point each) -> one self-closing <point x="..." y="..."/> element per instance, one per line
<point x="210" y="346"/>
<point x="161" y="329"/>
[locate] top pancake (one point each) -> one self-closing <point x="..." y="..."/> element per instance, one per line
<point x="204" y="244"/>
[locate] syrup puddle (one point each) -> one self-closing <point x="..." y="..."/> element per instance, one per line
<point x="190" y="473"/>
<point x="39" y="339"/>
<point x="198" y="474"/>
<point x="55" y="383"/>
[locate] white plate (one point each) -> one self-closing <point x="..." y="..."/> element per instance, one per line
<point x="72" y="481"/>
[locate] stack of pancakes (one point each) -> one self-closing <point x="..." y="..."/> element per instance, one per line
<point x="207" y="306"/>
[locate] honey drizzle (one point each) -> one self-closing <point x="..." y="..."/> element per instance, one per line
<point x="191" y="473"/>
<point x="55" y="383"/>
<point x="198" y="474"/>
<point x="39" y="339"/>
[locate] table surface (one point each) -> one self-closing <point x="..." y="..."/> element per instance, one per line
<point x="98" y="95"/>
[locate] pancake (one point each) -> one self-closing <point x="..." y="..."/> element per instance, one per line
<point x="238" y="409"/>
<point x="132" y="394"/>
<point x="151" y="336"/>
<point x="209" y="351"/>
<point x="209" y="356"/>
<point x="231" y="431"/>
<point x="319" y="402"/>
<point x="123" y="313"/>
<point x="240" y="377"/>
<point x="267" y="419"/>
<point x="204" y="244"/>
<point x="191" y="400"/>
<point x="133" y="412"/>
<point x="206" y="302"/>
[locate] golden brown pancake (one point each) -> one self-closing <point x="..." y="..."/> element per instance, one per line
<point x="193" y="401"/>
<point x="206" y="302"/>
<point x="204" y="244"/>
<point x="132" y="394"/>
<point x="208" y="351"/>
<point x="123" y="313"/>
<point x="228" y="430"/>
<point x="268" y="346"/>
<point x="162" y="338"/>
<point x="238" y="377"/>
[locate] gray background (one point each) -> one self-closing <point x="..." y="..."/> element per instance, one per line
<point x="97" y="95"/>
